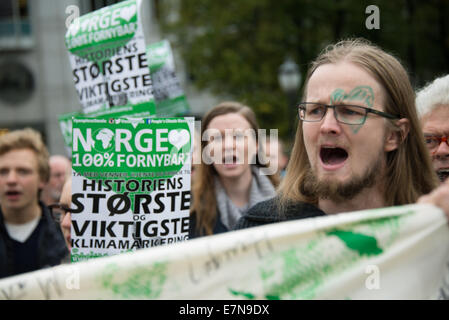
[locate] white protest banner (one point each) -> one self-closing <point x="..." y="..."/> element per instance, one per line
<point x="168" y="94"/>
<point x="130" y="184"/>
<point x="390" y="253"/>
<point x="107" y="53"/>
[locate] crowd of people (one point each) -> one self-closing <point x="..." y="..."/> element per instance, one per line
<point x="363" y="141"/>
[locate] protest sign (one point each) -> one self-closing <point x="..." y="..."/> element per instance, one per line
<point x="169" y="97"/>
<point x="130" y="184"/>
<point x="107" y="52"/>
<point x="389" y="253"/>
<point x="168" y="94"/>
<point x="125" y="112"/>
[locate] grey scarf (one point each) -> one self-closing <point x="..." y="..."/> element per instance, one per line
<point x="261" y="189"/>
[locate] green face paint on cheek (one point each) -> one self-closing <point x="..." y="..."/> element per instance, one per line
<point x="356" y="128"/>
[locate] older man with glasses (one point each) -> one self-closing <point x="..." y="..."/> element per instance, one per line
<point x="433" y="106"/>
<point x="64" y="216"/>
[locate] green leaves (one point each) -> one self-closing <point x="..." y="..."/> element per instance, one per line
<point x="235" y="48"/>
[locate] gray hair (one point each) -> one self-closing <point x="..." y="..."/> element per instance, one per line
<point x="432" y="95"/>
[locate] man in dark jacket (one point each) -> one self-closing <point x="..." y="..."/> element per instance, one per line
<point x="358" y="143"/>
<point x="29" y="238"/>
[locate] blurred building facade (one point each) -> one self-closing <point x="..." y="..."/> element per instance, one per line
<point x="36" y="83"/>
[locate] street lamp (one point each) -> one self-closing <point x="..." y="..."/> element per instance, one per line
<point x="289" y="78"/>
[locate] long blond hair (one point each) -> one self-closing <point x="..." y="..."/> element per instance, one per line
<point x="409" y="171"/>
<point x="204" y="203"/>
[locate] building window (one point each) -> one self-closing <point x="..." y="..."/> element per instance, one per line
<point x="15" y="25"/>
<point x="16" y="83"/>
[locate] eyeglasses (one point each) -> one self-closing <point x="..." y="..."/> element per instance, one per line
<point x="344" y="113"/>
<point x="433" y="142"/>
<point x="59" y="210"/>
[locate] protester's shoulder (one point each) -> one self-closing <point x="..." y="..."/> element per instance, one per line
<point x="52" y="232"/>
<point x="269" y="211"/>
<point x="47" y="218"/>
<point x="219" y="227"/>
<point x="264" y="212"/>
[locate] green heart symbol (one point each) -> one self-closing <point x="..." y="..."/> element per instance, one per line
<point x="128" y="12"/>
<point x="179" y="138"/>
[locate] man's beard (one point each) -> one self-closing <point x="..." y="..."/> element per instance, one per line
<point x="340" y="191"/>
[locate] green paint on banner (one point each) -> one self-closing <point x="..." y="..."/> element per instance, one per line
<point x="301" y="272"/>
<point x="363" y="244"/>
<point x="251" y="296"/>
<point x="142" y="282"/>
<point x="241" y="293"/>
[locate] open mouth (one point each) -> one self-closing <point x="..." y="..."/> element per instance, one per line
<point x="443" y="174"/>
<point x="333" y="155"/>
<point x="12" y="194"/>
<point x="232" y="159"/>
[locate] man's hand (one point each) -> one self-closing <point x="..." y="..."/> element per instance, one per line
<point x="438" y="197"/>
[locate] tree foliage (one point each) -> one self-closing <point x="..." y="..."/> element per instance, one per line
<point x="235" y="48"/>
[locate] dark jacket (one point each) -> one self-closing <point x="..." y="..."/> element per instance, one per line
<point x="51" y="244"/>
<point x="219" y="227"/>
<point x="266" y="212"/>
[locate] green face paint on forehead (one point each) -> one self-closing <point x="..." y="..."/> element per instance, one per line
<point x="364" y="94"/>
